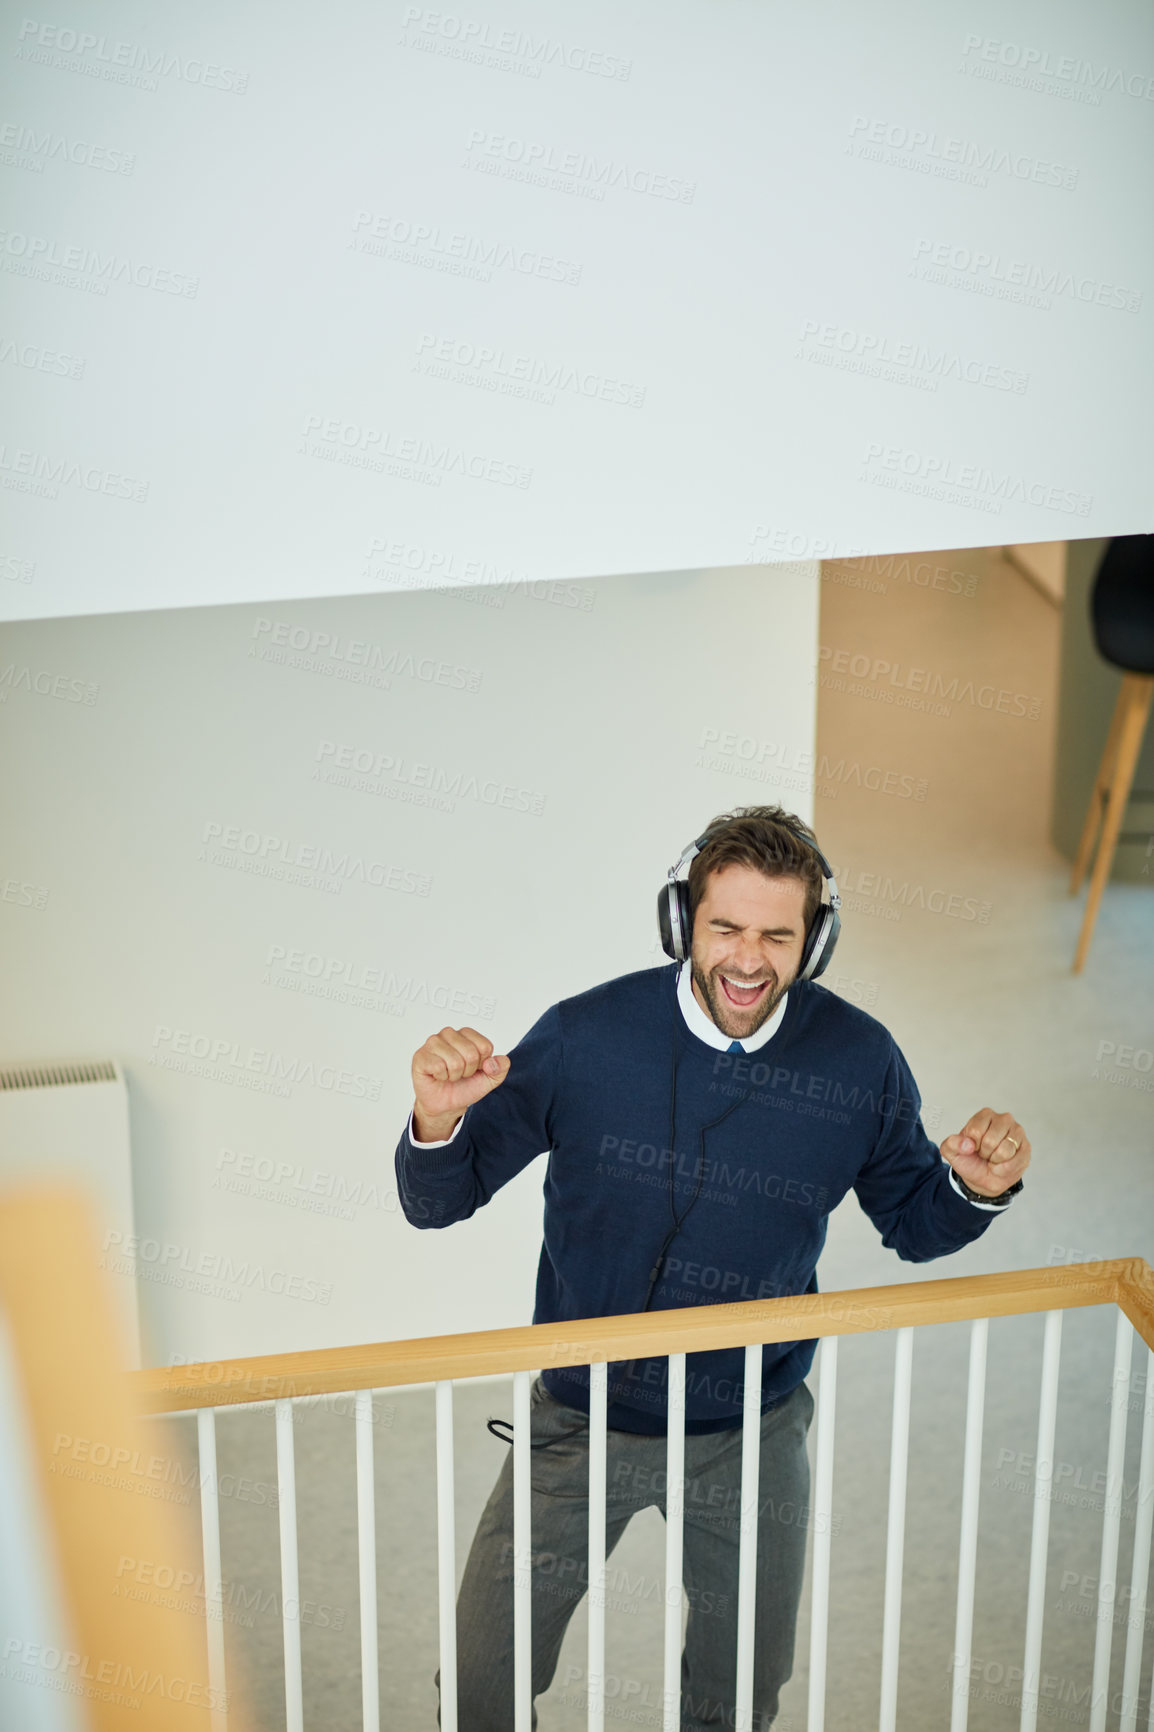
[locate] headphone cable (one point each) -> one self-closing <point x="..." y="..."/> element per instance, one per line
<point x="499" y="1427"/>
<point x="679" y="1220"/>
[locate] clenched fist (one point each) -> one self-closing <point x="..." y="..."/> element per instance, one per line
<point x="990" y="1152"/>
<point x="451" y="1071"/>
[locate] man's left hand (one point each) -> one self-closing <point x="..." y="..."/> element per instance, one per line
<point x="990" y="1153"/>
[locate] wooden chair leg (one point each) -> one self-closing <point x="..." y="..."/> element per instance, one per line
<point x="1138" y="690"/>
<point x="1100" y="793"/>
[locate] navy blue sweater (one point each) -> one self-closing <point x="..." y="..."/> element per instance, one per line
<point x="825" y="1105"/>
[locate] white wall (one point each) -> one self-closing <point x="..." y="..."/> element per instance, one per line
<point x="134" y="741"/>
<point x="303" y="299"/>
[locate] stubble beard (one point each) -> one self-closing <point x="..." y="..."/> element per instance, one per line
<point x="725" y="1014"/>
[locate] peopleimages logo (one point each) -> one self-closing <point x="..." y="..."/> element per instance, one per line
<point x="901" y="361"/>
<point x="869" y="673"/>
<point x="793" y="545"/>
<point x="223" y="1055"/>
<point x="14" y="569"/>
<point x="925" y="151"/>
<point x="24" y="147"/>
<point x="570" y="171"/>
<point x="357" y="660"/>
<point x="991" y="487"/>
<point x="44" y="473"/>
<point x="366" y="985"/>
<point x="46" y="684"/>
<point x="412" y="562"/>
<point x="404" y="242"/>
<point x="408" y="455"/>
<point x="132" y="63"/>
<point x="878" y="894"/>
<point x="989" y="57"/>
<point x="400" y="778"/>
<point x="187" y="1266"/>
<point x="898" y="568"/>
<point x="275" y="856"/>
<point x="507" y="50"/>
<point x="299" y="1187"/>
<point x="734" y="752"/>
<point x="1125" y="1066"/>
<point x="82" y="267"/>
<point x="23" y="894"/>
<point x="38" y="359"/>
<point x="1015" y="278"/>
<point x="491" y="368"/>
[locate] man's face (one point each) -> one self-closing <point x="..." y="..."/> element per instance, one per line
<point x="748" y="933"/>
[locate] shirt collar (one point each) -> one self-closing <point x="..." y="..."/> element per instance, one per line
<point x="706" y="1029"/>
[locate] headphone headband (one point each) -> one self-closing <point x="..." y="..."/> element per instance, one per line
<point x="698" y="844"/>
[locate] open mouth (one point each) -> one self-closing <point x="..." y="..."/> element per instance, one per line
<point x="740" y="994"/>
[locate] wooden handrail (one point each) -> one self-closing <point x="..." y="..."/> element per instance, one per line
<point x="1125" y="1281"/>
<point x="1136" y="1298"/>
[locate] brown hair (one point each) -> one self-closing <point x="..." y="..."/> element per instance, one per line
<point x="766" y="838"/>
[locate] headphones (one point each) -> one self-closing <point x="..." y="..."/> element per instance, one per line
<point x="676" y="927"/>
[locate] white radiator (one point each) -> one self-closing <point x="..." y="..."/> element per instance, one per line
<point x="69" y="1122"/>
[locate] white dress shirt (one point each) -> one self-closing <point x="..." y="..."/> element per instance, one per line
<point x="704" y="1027"/>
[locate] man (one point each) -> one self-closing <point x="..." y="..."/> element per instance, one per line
<point x="701" y="1121"/>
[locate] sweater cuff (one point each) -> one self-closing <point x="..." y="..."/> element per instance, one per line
<point x="441" y="1143"/>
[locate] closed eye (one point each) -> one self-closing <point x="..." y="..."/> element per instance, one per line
<point x="777" y="934"/>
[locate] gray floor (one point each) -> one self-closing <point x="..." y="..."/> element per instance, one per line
<point x="987" y="1013"/>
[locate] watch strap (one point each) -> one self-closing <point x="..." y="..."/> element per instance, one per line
<point x="1000" y="1202"/>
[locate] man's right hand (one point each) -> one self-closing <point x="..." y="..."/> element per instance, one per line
<point x="451" y="1071"/>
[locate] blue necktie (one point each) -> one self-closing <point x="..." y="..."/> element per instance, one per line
<point x="735" y="1046"/>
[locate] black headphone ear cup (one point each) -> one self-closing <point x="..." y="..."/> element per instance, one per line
<point x="673" y="920"/>
<point x="665" y="919"/>
<point x="832" y="939"/>
<point x="810" y="945"/>
<point x="819" y="944"/>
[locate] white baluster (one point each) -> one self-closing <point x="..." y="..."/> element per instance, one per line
<point x="968" y="1540"/>
<point x="598" y="1398"/>
<point x="1040" y="1537"/>
<point x="446" y="1557"/>
<point x="522" y="1556"/>
<point x="674" y="1540"/>
<point x="1111" y="1516"/>
<point x="290" y="1596"/>
<point x="1140" y="1564"/>
<point x="367" y="1562"/>
<point x="822" y="1516"/>
<point x="213" y="1581"/>
<point x="747" y="1552"/>
<point x="896" y="1529"/>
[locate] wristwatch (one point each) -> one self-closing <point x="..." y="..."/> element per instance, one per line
<point x="1000" y="1202"/>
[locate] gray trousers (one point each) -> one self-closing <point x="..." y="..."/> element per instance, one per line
<point x="636" y="1478"/>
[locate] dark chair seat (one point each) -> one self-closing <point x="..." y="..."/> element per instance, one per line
<point x="1122" y="604"/>
<point x="1122" y="612"/>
